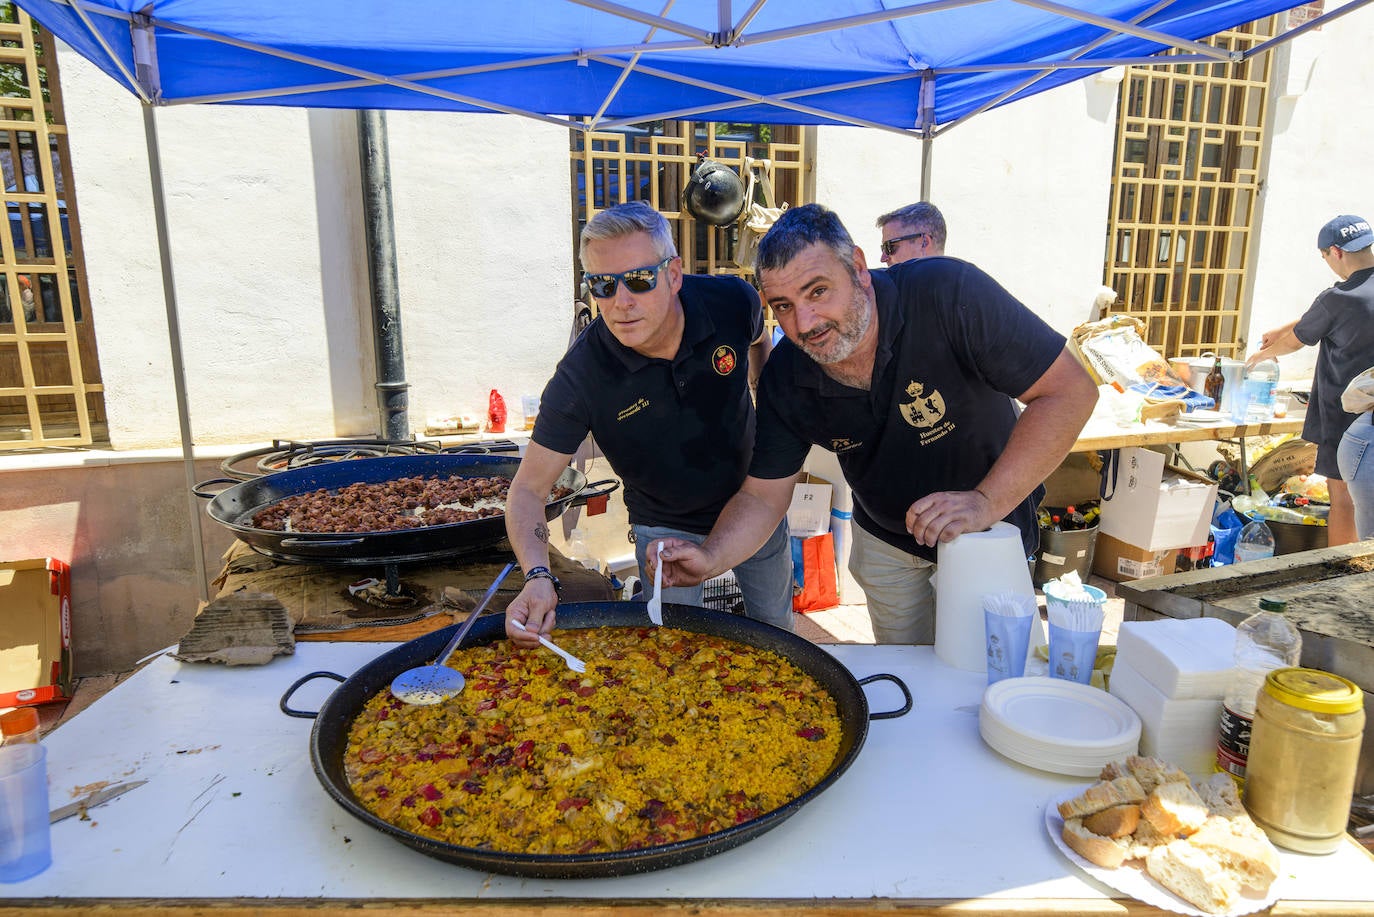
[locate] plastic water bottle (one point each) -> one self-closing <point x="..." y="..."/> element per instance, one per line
<point x="578" y="551"/>
<point x="1259" y="391"/>
<point x="1256" y="542"/>
<point x="1265" y="641"/>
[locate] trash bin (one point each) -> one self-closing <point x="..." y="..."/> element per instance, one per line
<point x="1061" y="552"/>
<point x="1292" y="537"/>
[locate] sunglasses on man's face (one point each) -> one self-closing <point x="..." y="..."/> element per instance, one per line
<point x="889" y="246"/>
<point x="638" y="280"/>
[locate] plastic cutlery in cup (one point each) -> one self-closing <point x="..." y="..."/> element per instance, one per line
<point x="656" y="601"/>
<point x="577" y="665"/>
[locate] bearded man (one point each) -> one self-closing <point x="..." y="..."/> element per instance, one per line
<point x="908" y="375"/>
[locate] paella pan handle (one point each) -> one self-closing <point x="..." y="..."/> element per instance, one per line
<point x="591" y="493"/>
<point x="320" y="543"/>
<point x="305" y="714"/>
<point x="199" y="489"/>
<point x="901" y="685"/>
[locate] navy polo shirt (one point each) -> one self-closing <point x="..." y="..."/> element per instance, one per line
<point x="678" y="433"/>
<point x="954" y="349"/>
<point x="1341" y="321"/>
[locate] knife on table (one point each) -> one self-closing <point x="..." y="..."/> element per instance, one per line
<point x="91" y="800"/>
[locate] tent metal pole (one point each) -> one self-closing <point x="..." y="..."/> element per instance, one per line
<point x="169" y="295"/>
<point x="927" y="154"/>
<point x="392" y="388"/>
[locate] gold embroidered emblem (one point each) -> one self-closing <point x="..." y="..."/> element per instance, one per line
<point x="843" y="444"/>
<point x="925" y="410"/>
<point x="723" y="360"/>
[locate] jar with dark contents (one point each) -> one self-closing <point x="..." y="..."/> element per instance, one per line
<point x="1304" y="749"/>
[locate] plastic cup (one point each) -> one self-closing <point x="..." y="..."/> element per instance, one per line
<point x="25" y="835"/>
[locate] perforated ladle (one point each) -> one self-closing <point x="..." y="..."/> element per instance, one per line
<point x="430" y="684"/>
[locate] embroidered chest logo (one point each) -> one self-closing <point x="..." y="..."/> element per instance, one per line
<point x="723" y="360"/>
<point x="634" y="408"/>
<point x="926" y="412"/>
<point x="844" y="444"/>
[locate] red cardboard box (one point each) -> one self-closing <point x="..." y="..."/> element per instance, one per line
<point x="35" y="632"/>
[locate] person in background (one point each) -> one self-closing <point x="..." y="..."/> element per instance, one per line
<point x="661" y="379"/>
<point x="908" y="375"/>
<point x="1354" y="457"/>
<point x="911" y="232"/>
<point x="1340" y="322"/>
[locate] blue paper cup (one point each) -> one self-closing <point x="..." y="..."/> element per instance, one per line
<point x="1073" y="653"/>
<point x="25" y="835"/>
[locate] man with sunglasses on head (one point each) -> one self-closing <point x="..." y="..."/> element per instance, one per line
<point x="661" y="379"/>
<point x="911" y="232"/>
<point x="908" y="376"/>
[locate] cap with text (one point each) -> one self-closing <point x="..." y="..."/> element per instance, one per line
<point x="1351" y="233"/>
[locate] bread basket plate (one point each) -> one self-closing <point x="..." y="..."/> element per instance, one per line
<point x="1136" y="882"/>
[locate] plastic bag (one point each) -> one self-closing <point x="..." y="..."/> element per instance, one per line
<point x="1358" y="396"/>
<point x="1226" y="526"/>
<point x="757" y="218"/>
<point x="496" y="412"/>
<point x="1113" y="350"/>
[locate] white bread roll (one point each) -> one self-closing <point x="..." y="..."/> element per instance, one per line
<point x="1194" y="876"/>
<point x="1107" y="852"/>
<point x="1104" y="795"/>
<point x="1118" y="821"/>
<point x="1246" y="853"/>
<point x="1174" y="808"/>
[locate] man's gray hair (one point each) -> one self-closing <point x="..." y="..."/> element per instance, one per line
<point x="921" y="217"/>
<point x="626" y="220"/>
<point x="798" y="229"/>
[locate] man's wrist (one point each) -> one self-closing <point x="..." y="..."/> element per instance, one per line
<point x="543" y="572"/>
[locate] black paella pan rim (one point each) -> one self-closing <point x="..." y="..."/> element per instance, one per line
<point x="328" y="739"/>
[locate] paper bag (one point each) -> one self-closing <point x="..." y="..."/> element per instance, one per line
<point x="813" y="573"/>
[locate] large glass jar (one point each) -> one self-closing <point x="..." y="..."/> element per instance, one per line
<point x="1304" y="748"/>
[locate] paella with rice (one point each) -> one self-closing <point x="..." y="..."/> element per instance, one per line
<point x="669" y="735"/>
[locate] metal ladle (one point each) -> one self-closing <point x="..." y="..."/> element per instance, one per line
<point x="430" y="684"/>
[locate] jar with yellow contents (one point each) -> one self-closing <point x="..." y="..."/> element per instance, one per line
<point x="1304" y="749"/>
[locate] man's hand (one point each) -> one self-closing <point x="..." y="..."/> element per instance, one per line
<point x="946" y="515"/>
<point x="684" y="563"/>
<point x="534" y="607"/>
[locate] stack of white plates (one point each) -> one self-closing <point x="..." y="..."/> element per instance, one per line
<point x="1057" y="725"/>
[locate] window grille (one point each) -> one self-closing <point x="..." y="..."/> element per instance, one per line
<point x="1187" y="175"/>
<point x="653" y="161"/>
<point x="50" y="390"/>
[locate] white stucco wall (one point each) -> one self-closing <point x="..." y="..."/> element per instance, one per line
<point x="268" y="252"/>
<point x="1015" y="186"/>
<point x="1318" y="168"/>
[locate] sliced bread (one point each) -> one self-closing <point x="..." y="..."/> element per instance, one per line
<point x="1118" y="821"/>
<point x="1154" y="772"/>
<point x="1145" y="839"/>
<point x="1103" y="795"/>
<point x="1194" y="876"/>
<point x="1246" y="853"/>
<point x="1221" y="796"/>
<point x="1107" y="852"/>
<point x="1174" y="808"/>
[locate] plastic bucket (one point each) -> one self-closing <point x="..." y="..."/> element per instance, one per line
<point x="1292" y="537"/>
<point x="1061" y="552"/>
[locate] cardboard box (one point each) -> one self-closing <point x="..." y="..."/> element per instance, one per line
<point x="1155" y="507"/>
<point x="35" y="632"/>
<point x="809" y="513"/>
<point x="1118" y="561"/>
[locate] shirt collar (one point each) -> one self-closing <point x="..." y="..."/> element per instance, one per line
<point x="697" y="327"/>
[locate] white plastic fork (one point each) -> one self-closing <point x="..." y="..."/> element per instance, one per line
<point x="577" y="665"/>
<point x="655" y="608"/>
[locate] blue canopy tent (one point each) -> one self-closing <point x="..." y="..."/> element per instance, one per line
<point x="916" y="67"/>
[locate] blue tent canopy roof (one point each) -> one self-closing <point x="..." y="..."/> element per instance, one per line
<point x="861" y="62"/>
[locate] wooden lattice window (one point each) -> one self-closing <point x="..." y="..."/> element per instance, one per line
<point x="1189" y="158"/>
<point x="50" y="391"/>
<point x="652" y="162"/>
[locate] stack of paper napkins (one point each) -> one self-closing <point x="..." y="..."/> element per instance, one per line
<point x="1174" y="673"/>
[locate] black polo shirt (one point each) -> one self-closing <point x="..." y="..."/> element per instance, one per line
<point x="678" y="433"/>
<point x="954" y="349"/>
<point x="1341" y="322"/>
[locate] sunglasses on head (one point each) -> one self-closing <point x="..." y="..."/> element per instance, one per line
<point x="638" y="280"/>
<point x="889" y="246"/>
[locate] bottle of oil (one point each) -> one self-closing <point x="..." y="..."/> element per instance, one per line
<point x="1215" y="383"/>
<point x="1265" y="641"/>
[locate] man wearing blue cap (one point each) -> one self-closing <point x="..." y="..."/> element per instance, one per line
<point x="1340" y="322"/>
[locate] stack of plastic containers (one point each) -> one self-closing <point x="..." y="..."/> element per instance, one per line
<point x="1174" y="673"/>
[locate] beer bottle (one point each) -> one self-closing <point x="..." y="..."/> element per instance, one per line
<point x="1214" y="383"/>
